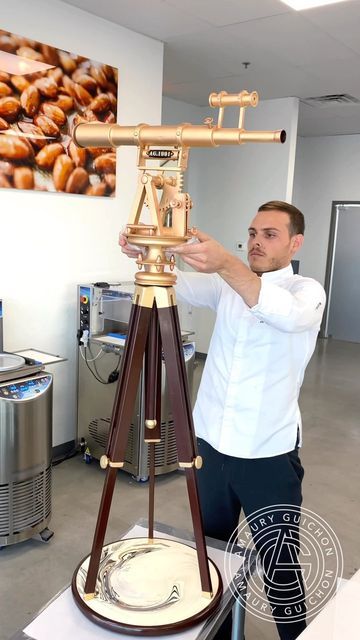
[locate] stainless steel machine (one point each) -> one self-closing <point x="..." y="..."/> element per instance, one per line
<point x="1" y="326"/>
<point x="25" y="448"/>
<point x="103" y="315"/>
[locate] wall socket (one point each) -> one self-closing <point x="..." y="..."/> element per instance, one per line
<point x="241" y="246"/>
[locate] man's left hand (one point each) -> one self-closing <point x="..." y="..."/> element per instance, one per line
<point x="209" y="256"/>
<point x="206" y="255"/>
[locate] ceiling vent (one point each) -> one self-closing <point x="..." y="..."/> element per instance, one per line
<point x="331" y="100"/>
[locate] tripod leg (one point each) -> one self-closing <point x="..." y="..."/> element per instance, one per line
<point x="134" y="351"/>
<point x="119" y="429"/>
<point x="151" y="506"/>
<point x="176" y="331"/>
<point x="152" y="433"/>
<point x="184" y="429"/>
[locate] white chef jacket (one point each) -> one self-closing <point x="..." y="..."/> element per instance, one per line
<point x="247" y="404"/>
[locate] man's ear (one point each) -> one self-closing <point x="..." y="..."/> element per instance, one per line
<point x="297" y="242"/>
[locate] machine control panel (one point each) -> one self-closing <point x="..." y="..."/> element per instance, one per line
<point x="84" y="308"/>
<point x="1" y="326"/>
<point x="25" y="389"/>
<point x="103" y="307"/>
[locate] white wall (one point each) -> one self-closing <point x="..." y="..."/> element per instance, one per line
<point x="234" y="182"/>
<point x="326" y="169"/>
<point x="51" y="242"/>
<point x="176" y="111"/>
<point x="228" y="184"/>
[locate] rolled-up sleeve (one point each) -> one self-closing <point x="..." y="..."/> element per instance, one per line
<point x="198" y="289"/>
<point x="292" y="310"/>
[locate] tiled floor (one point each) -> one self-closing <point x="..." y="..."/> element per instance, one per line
<point x="32" y="572"/>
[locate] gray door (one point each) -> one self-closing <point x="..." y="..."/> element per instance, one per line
<point x="344" y="302"/>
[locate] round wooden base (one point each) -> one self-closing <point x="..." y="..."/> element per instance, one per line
<point x="147" y="587"/>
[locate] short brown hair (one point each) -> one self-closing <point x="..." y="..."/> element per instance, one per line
<point x="297" y="221"/>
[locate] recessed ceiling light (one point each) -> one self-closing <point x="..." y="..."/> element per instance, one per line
<point x="298" y="5"/>
<point x="19" y="65"/>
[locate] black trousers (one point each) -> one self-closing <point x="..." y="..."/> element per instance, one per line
<point x="228" y="485"/>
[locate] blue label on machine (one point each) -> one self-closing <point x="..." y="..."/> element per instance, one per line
<point x="109" y="294"/>
<point x="1" y="311"/>
<point x="25" y="389"/>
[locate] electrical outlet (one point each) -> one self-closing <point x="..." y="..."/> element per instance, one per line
<point x="241" y="246"/>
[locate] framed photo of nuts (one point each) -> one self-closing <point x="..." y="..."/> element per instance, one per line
<point x="44" y="92"/>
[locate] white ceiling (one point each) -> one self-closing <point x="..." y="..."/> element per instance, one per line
<point x="309" y="53"/>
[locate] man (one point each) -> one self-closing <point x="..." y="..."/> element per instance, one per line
<point x="246" y="416"/>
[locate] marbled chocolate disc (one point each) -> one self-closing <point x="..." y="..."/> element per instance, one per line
<point x="147" y="587"/>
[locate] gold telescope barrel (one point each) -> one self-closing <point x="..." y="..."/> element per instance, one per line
<point x="114" y="135"/>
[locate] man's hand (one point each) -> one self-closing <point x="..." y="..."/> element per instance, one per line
<point x="129" y="249"/>
<point x="206" y="255"/>
<point x="209" y="256"/>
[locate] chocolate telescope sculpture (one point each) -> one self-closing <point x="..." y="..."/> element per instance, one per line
<point x="153" y="586"/>
<point x="169" y="144"/>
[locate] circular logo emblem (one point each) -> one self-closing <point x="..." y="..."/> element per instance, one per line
<point x="284" y="551"/>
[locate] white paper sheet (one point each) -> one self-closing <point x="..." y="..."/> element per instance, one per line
<point x="340" y="619"/>
<point x="40" y="356"/>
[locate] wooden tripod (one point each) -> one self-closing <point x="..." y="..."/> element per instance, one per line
<point x="153" y="328"/>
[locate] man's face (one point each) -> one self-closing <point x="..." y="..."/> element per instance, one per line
<point x="270" y="246"/>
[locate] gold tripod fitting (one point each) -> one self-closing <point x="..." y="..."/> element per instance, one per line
<point x="89" y="596"/>
<point x="169" y="145"/>
<point x="105" y="462"/>
<point x="196" y="462"/>
<point x="150" y="424"/>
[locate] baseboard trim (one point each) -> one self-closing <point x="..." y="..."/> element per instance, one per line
<point x="63" y="450"/>
<point x="199" y="355"/>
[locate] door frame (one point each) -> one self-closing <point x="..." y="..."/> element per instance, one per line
<point x="323" y="333"/>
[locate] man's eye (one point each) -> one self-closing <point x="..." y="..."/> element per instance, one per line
<point x="251" y="235"/>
